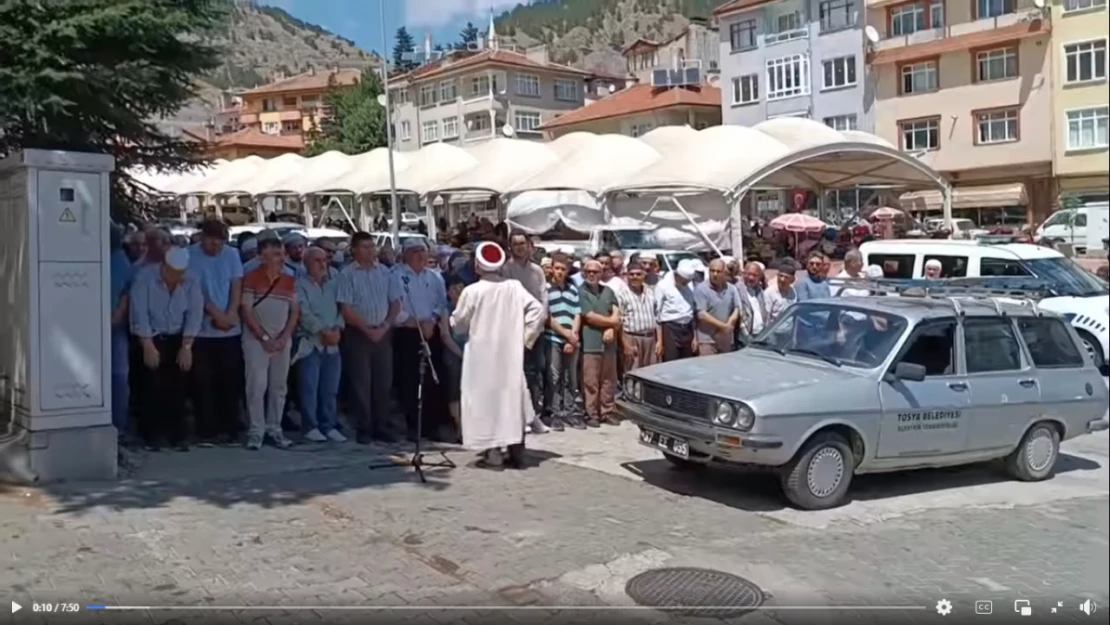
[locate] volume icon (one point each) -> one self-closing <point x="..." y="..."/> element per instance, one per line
<point x="1088" y="607"/>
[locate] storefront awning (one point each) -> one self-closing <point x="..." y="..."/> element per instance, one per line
<point x="963" y="198"/>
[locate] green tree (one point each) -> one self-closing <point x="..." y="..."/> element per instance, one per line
<point x="468" y="36"/>
<point x="354" y="122"/>
<point x="97" y="75"/>
<point x="402" y="43"/>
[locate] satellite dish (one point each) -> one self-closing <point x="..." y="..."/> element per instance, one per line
<point x="507" y="130"/>
<point x="381" y="100"/>
<point x="1038" y="3"/>
<point x="469" y="124"/>
<point x="612" y="88"/>
<point x="873" y="35"/>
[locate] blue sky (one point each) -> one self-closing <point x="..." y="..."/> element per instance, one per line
<point x="359" y="21"/>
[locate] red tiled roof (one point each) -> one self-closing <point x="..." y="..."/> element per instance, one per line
<point x="252" y="137"/>
<point x="641" y="41"/>
<point x="494" y="57"/>
<point x="962" y="42"/>
<point x="639" y="99"/>
<point x="738" y="5"/>
<point x="309" y="81"/>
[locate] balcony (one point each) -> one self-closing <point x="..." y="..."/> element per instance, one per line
<point x="482" y="104"/>
<point x="248" y="118"/>
<point x="963" y="36"/>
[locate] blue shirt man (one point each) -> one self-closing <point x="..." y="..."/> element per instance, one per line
<point x="814" y="285"/>
<point x="217" y="268"/>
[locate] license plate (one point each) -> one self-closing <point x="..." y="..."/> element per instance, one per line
<point x="668" y="444"/>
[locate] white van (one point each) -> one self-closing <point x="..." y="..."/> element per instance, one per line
<point x="1084" y="227"/>
<point x="1079" y="295"/>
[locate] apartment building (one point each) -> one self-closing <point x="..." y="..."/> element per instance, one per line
<point x="794" y="58"/>
<point x="468" y="98"/>
<point x="967" y="86"/>
<point x="695" y="45"/>
<point x="1081" y="101"/>
<point x="294" y="105"/>
<point x="638" y="109"/>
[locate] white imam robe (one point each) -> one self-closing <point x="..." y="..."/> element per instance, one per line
<point x="500" y="319"/>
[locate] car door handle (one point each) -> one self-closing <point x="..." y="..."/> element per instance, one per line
<point x="957" y="386"/>
<point x="1029" y="383"/>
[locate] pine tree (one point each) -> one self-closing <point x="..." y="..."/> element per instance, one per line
<point x="468" y="36"/>
<point x="403" y="43"/>
<point x="96" y="76"/>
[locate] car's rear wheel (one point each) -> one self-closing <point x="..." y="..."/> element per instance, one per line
<point x="1035" y="457"/>
<point x="819" y="475"/>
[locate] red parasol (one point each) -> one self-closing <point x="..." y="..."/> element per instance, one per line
<point x="798" y="223"/>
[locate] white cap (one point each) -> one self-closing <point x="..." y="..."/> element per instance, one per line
<point x="874" y="271"/>
<point x="489" y="257"/>
<point x="686" y="268"/>
<point x="177" y="258"/>
<point x="413" y="243"/>
<point x="932" y="262"/>
<point x="248" y="246"/>
<point x="566" y="249"/>
<point x="699" y="267"/>
<point x="545" y="261"/>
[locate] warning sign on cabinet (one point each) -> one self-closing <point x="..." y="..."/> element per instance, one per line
<point x="67" y="217"/>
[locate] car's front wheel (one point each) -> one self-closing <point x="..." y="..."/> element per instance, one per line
<point x="818" y="476"/>
<point x="1035" y="457"/>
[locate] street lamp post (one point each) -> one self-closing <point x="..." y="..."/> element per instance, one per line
<point x="395" y="225"/>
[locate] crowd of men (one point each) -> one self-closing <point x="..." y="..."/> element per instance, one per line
<point x="219" y="327"/>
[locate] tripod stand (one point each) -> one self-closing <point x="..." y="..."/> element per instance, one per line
<point x="417" y="460"/>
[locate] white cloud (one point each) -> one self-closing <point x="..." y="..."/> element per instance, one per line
<point x="438" y="13"/>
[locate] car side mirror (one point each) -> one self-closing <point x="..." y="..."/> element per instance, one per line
<point x="909" y="371"/>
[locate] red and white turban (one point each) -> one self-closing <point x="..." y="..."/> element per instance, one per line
<point x="489" y="257"/>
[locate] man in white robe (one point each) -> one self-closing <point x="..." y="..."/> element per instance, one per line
<point x="501" y="319"/>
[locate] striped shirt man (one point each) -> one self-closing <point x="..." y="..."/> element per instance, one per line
<point x="563" y="306"/>
<point x="369" y="291"/>
<point x="637" y="311"/>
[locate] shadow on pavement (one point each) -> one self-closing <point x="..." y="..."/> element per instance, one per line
<point x="759" y="491"/>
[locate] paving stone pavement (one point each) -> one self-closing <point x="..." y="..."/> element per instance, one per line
<point x="316" y="528"/>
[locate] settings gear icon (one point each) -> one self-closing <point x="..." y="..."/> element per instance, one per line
<point x="944" y="607"/>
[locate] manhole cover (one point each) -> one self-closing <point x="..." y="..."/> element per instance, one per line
<point x="703" y="592"/>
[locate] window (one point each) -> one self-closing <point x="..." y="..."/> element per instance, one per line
<point x="741" y="35"/>
<point x="427" y="95"/>
<point x="527" y="121"/>
<point x="999" y="64"/>
<point x="745" y="89"/>
<point x="1087" y="128"/>
<point x="528" y="85"/>
<point x="933" y="346"/>
<point x="479" y="86"/>
<point x="950" y="266"/>
<point x="920" y="78"/>
<point x="1086" y="61"/>
<point x="399" y="96"/>
<point x="841" y="122"/>
<point x="448" y="91"/>
<point x="993" y="8"/>
<point x="291" y="126"/>
<point x="566" y="90"/>
<point x="451" y="128"/>
<point x="271" y="128"/>
<point x="269" y="106"/>
<point x="840" y="72"/>
<point x="836" y="14"/>
<point x="920" y="135"/>
<point x="429" y="131"/>
<point x="785" y="25"/>
<point x="1080" y="220"/>
<point x="1083" y="5"/>
<point x="895" y="266"/>
<point x="639" y="130"/>
<point x="996" y="127"/>
<point x="1049" y="342"/>
<point x="907" y="20"/>
<point x="289" y="102"/>
<point x="406" y="130"/>
<point x="788" y="77"/>
<point x="479" y="122"/>
<point x="936" y="14"/>
<point x="991" y="345"/>
<point x="989" y="267"/>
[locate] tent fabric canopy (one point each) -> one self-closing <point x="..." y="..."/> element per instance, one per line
<point x="228" y="178"/>
<point x="367" y="172"/>
<point x="275" y="174"/>
<point x="430" y="166"/>
<point x="315" y="170"/>
<point x="593" y="166"/>
<point x="500" y="164"/>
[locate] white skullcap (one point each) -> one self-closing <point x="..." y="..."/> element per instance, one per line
<point x="686" y="268"/>
<point x="932" y="262"/>
<point x="545" y="261"/>
<point x="413" y="243"/>
<point x="489" y="257"/>
<point x="874" y="271"/>
<point x="577" y="264"/>
<point x="566" y="249"/>
<point x="177" y="258"/>
<point x="250" y="245"/>
<point x="699" y="267"/>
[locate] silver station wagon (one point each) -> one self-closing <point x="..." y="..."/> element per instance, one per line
<point x="871" y="384"/>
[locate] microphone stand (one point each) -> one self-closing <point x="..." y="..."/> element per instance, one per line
<point x="417" y="461"/>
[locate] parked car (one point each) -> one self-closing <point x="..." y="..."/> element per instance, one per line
<point x="853" y="385"/>
<point x="1079" y="295"/>
<point x="1083" y="227"/>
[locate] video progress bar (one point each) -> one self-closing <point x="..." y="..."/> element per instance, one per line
<point x="498" y="608"/>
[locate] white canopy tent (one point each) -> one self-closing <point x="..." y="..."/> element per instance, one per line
<point x="230" y="177"/>
<point x="500" y="163"/>
<point x="176" y="183"/>
<point x="275" y="173"/>
<point x="366" y="172"/>
<point x="667" y="139"/>
<point x="313" y="172"/>
<point x="429" y="166"/>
